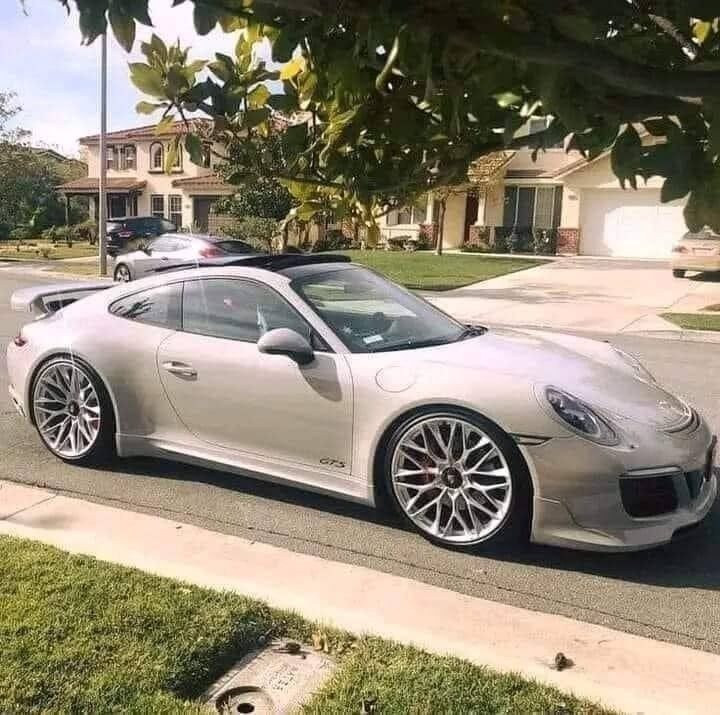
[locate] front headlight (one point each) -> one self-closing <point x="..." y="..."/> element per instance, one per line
<point x="640" y="370"/>
<point x="581" y="418"/>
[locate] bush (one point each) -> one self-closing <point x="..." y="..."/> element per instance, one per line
<point x="258" y="232"/>
<point x="50" y="234"/>
<point x="86" y="231"/>
<point x="46" y="251"/>
<point x="20" y="233"/>
<point x="62" y="233"/>
<point x="333" y="240"/>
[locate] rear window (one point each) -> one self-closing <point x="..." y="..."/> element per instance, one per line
<point x="234" y="246"/>
<point x="114" y="226"/>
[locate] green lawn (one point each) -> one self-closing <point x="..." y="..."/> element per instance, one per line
<point x="80" y="249"/>
<point x="693" y="321"/>
<point x="80" y="635"/>
<point x="78" y="269"/>
<point x="426" y="271"/>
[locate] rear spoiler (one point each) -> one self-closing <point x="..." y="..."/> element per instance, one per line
<point x="49" y="298"/>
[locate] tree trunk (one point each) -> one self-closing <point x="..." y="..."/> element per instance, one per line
<point x="284" y="241"/>
<point x="440" y="226"/>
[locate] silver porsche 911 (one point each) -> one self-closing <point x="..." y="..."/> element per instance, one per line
<point x="316" y="372"/>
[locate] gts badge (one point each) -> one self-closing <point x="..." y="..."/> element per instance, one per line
<point x="329" y="462"/>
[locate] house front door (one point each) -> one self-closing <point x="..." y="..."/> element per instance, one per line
<point x="201" y="212"/>
<point x="117" y="206"/>
<point x="471" y="212"/>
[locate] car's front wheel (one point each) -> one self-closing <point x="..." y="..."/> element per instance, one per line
<point x="72" y="411"/>
<point x="122" y="273"/>
<point x="459" y="480"/>
<point x="678" y="273"/>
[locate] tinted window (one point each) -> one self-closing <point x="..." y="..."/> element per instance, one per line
<point x="236" y="309"/>
<point x="234" y="246"/>
<point x="156" y="306"/>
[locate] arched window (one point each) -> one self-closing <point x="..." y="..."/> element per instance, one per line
<point x="157" y="157"/>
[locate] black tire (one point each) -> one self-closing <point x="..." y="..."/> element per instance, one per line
<point x="103" y="449"/>
<point x="122" y="270"/>
<point x="678" y="273"/>
<point x="514" y="530"/>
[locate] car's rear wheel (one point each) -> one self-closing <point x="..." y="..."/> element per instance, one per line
<point x="459" y="480"/>
<point x="122" y="273"/>
<point x="678" y="273"/>
<point x="72" y="411"/>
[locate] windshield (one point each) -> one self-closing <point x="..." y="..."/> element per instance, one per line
<point x="371" y="314"/>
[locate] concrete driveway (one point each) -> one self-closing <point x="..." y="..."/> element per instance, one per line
<point x="601" y="295"/>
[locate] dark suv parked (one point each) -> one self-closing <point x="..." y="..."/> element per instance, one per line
<point x="126" y="234"/>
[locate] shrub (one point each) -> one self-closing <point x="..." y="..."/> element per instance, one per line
<point x="258" y="232"/>
<point x="333" y="240"/>
<point x="86" y="231"/>
<point x="62" y="233"/>
<point x="46" y="251"/>
<point x="20" y="233"/>
<point x="50" y="234"/>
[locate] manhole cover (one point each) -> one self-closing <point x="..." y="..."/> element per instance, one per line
<point x="274" y="680"/>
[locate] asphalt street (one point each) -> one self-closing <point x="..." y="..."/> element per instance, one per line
<point x="671" y="593"/>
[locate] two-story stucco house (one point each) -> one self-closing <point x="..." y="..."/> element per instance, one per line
<point x="580" y="202"/>
<point x="137" y="183"/>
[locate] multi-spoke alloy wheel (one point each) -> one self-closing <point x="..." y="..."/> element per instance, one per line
<point x="67" y="409"/>
<point x="122" y="274"/>
<point x="451" y="479"/>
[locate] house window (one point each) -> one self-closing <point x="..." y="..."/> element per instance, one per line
<point x="175" y="202"/>
<point x="128" y="157"/>
<point x="157" y="157"/>
<point x="111" y="158"/>
<point x="532" y="206"/>
<point x="157" y="205"/>
<point x="414" y="214"/>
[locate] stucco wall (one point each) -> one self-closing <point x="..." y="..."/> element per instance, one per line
<point x="158" y="182"/>
<point x="454" y="224"/>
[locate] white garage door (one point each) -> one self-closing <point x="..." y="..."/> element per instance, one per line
<point x="630" y="224"/>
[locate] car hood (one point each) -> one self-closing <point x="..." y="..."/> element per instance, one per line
<point x="589" y="369"/>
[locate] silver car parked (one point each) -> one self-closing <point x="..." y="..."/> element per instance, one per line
<point x="175" y="248"/>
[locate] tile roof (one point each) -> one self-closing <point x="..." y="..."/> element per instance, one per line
<point x="145" y="132"/>
<point x="208" y="182"/>
<point x="88" y="185"/>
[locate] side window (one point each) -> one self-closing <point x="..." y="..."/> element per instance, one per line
<point x="156" y="306"/>
<point x="163" y="244"/>
<point x="236" y="310"/>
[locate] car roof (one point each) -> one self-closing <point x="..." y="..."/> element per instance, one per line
<point x="277" y="263"/>
<point x="132" y="218"/>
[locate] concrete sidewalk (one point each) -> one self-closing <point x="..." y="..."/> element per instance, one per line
<point x="626" y="672"/>
<point x="597" y="295"/>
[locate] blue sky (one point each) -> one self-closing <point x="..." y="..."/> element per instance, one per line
<point x="56" y="78"/>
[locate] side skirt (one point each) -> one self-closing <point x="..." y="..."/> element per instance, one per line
<point x="317" y="480"/>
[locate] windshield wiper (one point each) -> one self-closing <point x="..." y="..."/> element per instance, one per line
<point x="471" y="331"/>
<point x="412" y="344"/>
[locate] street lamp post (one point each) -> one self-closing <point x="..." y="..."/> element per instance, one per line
<point x="102" y="188"/>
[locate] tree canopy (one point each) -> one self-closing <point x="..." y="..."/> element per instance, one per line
<point x="28" y="177"/>
<point x="389" y="99"/>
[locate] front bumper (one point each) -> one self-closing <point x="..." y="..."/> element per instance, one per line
<point x="687" y="262"/>
<point x="579" y="502"/>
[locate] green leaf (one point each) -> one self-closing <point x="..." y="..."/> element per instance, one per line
<point x="675" y="187"/>
<point x="164" y="125"/>
<point x="196" y="66"/>
<point x="123" y="27"/>
<point x="293" y="139"/>
<point x="292" y="68"/>
<point x="159" y="46"/>
<point x="281" y="102"/>
<point x="171" y="156"/>
<point x="253" y="117"/>
<point x="148" y="107"/>
<point x="146" y="79"/>
<point x="194" y="148"/>
<point x="204" y="18"/>
<point x="701" y="30"/>
<point x="258" y="97"/>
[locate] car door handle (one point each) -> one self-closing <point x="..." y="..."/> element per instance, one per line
<point x="180" y="368"/>
<point x="164" y="258"/>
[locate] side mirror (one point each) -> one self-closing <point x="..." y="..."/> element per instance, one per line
<point x="283" y="341"/>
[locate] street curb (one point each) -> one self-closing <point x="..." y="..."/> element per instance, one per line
<point x="623" y="671"/>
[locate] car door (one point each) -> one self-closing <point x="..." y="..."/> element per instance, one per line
<point x="229" y="394"/>
<point x="159" y="252"/>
